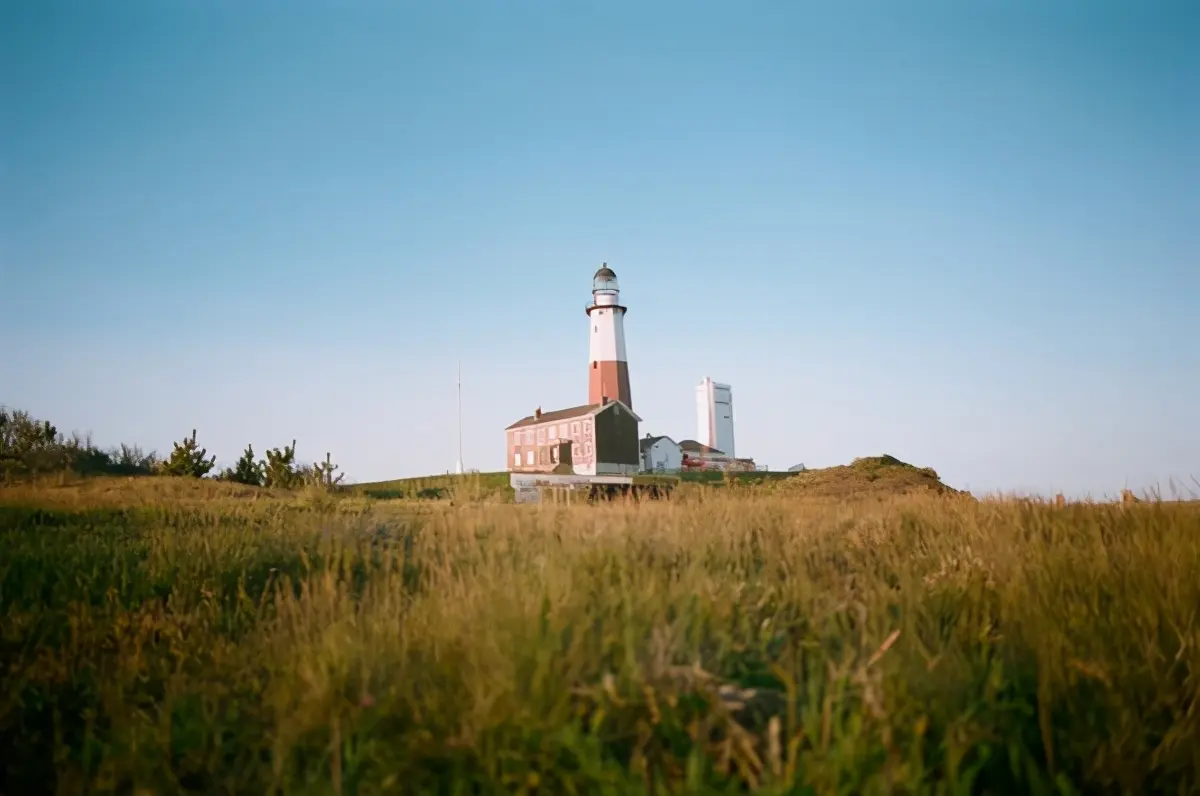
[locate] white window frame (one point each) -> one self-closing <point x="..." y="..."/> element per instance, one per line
<point x="516" y="458"/>
<point x="529" y="458"/>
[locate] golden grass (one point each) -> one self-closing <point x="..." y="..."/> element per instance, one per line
<point x="166" y="637"/>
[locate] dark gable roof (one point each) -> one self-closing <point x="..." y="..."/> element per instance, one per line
<point x="697" y="447"/>
<point x="551" y="417"/>
<point x="648" y="442"/>
<point x="569" y="414"/>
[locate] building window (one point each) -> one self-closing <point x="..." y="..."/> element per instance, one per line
<point x="575" y="429"/>
<point x="529" y="437"/>
<point x="541" y="436"/>
<point x="552" y="432"/>
<point x="529" y="458"/>
<point x="554" y="455"/>
<point x="562" y="431"/>
<point x="517" y="459"/>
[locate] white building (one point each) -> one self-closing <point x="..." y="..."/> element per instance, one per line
<point x="661" y="455"/>
<point x="714" y="416"/>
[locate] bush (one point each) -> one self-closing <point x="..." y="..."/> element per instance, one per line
<point x="247" y="470"/>
<point x="279" y="468"/>
<point x="32" y="447"/>
<point x="188" y="459"/>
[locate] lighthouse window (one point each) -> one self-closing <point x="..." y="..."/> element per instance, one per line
<point x="595" y="328"/>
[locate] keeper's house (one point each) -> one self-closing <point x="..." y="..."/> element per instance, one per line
<point x="593" y="439"/>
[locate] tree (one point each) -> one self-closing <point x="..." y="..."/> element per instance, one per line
<point x="279" y="467"/>
<point x="322" y="474"/>
<point x="30" y="446"/>
<point x="33" y="447"/>
<point x="246" y="471"/>
<point x="188" y="459"/>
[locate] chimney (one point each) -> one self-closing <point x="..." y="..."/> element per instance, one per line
<point x="538" y="413"/>
<point x="604" y="400"/>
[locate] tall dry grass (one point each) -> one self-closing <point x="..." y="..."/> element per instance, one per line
<point x="725" y="642"/>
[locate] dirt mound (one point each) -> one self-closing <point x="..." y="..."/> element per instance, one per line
<point x="869" y="476"/>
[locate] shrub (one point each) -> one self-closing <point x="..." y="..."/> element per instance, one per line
<point x="247" y="470"/>
<point x="323" y="474"/>
<point x="279" y="468"/>
<point x="31" y="447"/>
<point x="188" y="459"/>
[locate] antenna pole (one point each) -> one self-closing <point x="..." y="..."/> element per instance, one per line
<point x="460" y="456"/>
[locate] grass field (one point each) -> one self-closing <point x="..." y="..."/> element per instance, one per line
<point x="496" y="485"/>
<point x="162" y="636"/>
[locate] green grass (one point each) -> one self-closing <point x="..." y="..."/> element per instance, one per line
<point x="437" y="487"/>
<point x="496" y="485"/>
<point x="888" y="470"/>
<point x="714" y="477"/>
<point x="163" y="637"/>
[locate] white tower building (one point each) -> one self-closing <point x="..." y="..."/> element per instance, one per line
<point x="714" y="416"/>
<point x="608" y="369"/>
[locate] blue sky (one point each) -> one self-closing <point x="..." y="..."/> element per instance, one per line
<point x="965" y="234"/>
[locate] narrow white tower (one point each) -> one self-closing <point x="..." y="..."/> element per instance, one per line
<point x="608" y="368"/>
<point x="714" y="416"/>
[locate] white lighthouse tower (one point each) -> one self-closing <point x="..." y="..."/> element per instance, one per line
<point x="608" y="368"/>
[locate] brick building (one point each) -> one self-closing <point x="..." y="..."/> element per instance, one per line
<point x="593" y="439"/>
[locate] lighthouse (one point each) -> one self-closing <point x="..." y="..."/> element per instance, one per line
<point x="608" y="369"/>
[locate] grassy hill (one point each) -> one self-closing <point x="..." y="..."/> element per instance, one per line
<point x="869" y="476"/>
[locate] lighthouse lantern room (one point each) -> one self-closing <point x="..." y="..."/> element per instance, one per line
<point x="608" y="368"/>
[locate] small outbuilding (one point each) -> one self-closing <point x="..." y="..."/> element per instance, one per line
<point x="661" y="455"/>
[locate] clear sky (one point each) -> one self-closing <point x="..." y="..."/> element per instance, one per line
<point x="964" y="234"/>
